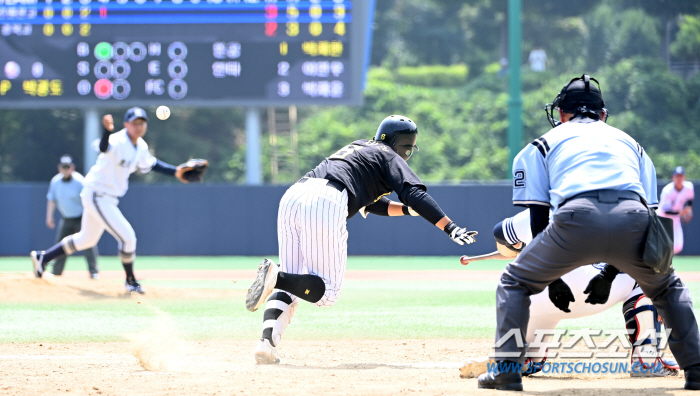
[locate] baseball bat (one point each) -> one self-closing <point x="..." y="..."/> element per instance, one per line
<point x="490" y="256"/>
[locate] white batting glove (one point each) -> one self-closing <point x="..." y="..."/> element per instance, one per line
<point x="460" y="235"/>
<point x="412" y="212"/>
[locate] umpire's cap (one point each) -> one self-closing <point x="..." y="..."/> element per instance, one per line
<point x="580" y="92"/>
<point x="393" y="126"/>
<point x="134" y="113"/>
<point x="66" y="161"/>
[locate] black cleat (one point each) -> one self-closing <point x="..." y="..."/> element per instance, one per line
<point x="510" y="381"/>
<point x="692" y="378"/>
<point x="133" y="287"/>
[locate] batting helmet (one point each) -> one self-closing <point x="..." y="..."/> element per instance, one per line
<point x="579" y="96"/>
<point x="393" y="126"/>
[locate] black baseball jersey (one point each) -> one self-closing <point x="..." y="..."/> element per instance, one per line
<point x="369" y="170"/>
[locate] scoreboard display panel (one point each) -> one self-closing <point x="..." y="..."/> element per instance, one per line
<point x="100" y="53"/>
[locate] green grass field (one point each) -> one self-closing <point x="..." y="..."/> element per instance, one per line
<point x="366" y="309"/>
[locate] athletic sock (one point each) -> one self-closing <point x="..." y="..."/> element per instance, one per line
<point x="307" y="287"/>
<point x="129" y="269"/>
<point x="273" y="311"/>
<point x="54" y="252"/>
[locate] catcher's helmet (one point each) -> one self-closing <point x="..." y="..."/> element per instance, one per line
<point x="579" y="96"/>
<point x="393" y="126"/>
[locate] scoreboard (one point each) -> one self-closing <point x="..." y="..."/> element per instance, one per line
<point x="106" y="53"/>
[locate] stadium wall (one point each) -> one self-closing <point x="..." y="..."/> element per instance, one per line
<point x="211" y="219"/>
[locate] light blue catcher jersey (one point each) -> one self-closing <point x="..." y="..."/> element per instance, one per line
<point x="579" y="156"/>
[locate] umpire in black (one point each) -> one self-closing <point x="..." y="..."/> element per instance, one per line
<point x="594" y="177"/>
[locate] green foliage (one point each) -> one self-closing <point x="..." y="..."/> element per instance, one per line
<point x="461" y="130"/>
<point x="687" y="43"/>
<point x="433" y="75"/>
<point x="460" y="109"/>
<point x="32" y="141"/>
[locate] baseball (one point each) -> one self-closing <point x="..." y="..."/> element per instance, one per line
<point x="163" y="112"/>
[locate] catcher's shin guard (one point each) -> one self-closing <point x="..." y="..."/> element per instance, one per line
<point x="642" y="319"/>
<point x="279" y="311"/>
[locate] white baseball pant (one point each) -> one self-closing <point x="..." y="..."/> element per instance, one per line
<point x="312" y="234"/>
<point x="100" y="213"/>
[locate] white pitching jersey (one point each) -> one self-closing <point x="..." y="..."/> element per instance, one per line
<point x="673" y="201"/>
<point x="578" y="156"/>
<point x="110" y="174"/>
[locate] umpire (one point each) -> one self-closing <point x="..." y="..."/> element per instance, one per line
<point x="64" y="194"/>
<point x="592" y="176"/>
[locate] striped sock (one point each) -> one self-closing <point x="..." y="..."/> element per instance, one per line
<point x="278" y="304"/>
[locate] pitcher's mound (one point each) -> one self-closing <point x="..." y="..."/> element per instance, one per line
<point x="27" y="288"/>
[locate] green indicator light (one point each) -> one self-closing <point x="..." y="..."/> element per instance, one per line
<point x="103" y="51"/>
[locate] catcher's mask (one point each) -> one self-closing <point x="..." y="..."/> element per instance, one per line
<point x="578" y="97"/>
<point x="393" y="126"/>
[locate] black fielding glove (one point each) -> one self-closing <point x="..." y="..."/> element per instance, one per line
<point x="598" y="288"/>
<point x="560" y="294"/>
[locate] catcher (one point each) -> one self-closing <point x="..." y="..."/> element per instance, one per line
<point x="583" y="292"/>
<point x="121" y="154"/>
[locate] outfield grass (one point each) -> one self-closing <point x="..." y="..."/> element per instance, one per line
<point x="366" y="309"/>
<point x="395" y="263"/>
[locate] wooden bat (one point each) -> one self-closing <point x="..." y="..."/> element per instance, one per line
<point x="490" y="256"/>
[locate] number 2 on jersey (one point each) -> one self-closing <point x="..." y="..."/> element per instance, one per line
<point x="345" y="151"/>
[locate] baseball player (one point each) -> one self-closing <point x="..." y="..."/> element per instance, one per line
<point x="677" y="203"/>
<point x="311" y="224"/>
<point x="64" y="194"/>
<point x="596" y="179"/>
<point x="121" y="154"/>
<point x="640" y="315"/>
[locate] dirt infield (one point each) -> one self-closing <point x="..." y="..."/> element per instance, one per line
<point x="350" y="367"/>
<point x="156" y="362"/>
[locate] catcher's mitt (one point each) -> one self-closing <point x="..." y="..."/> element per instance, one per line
<point x="510" y="251"/>
<point x="192" y="170"/>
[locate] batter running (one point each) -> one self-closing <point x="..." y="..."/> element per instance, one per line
<point x="311" y="224"/>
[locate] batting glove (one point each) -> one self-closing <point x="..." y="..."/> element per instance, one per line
<point x="560" y="295"/>
<point x="459" y="234"/>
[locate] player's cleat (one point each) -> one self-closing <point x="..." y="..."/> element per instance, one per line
<point x="265" y="353"/>
<point x="503" y="380"/>
<point x="133" y="287"/>
<point x="661" y="368"/>
<point x="263" y="285"/>
<point x="37" y="262"/>
<point x="692" y="377"/>
<point x="95" y="276"/>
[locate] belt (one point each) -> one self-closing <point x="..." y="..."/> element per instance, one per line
<point x="330" y="183"/>
<point x="607" y="196"/>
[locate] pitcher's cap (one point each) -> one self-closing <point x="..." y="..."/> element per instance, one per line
<point x="134" y="113"/>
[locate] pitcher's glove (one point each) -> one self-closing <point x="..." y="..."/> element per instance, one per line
<point x="687" y="217"/>
<point x="460" y="235"/>
<point x="192" y="170"/>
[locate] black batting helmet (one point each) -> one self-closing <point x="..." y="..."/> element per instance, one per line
<point x="579" y="96"/>
<point x="393" y="126"/>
